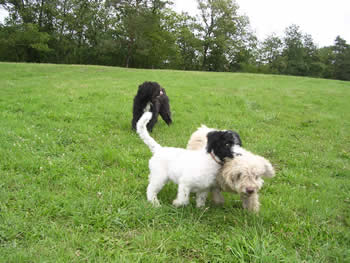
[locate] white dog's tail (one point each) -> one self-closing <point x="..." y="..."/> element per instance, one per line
<point x="144" y="135"/>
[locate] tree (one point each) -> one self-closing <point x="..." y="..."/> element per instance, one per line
<point x="326" y="57"/>
<point x="243" y="53"/>
<point x="222" y="32"/>
<point x="23" y="43"/>
<point x="314" y="66"/>
<point x="141" y="32"/>
<point x="294" y="51"/>
<point x="271" y="54"/>
<point x="341" y="52"/>
<point x="183" y="52"/>
<point x="301" y="54"/>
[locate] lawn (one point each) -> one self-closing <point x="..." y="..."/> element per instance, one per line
<point x="73" y="175"/>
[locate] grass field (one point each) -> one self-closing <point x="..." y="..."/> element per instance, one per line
<point x="73" y="175"/>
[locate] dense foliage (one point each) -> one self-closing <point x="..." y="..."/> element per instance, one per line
<point x="149" y="34"/>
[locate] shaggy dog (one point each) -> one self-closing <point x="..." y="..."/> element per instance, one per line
<point x="193" y="171"/>
<point x="151" y="97"/>
<point x="242" y="175"/>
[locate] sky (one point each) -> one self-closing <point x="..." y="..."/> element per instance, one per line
<point x="324" y="20"/>
<point x="3" y="14"/>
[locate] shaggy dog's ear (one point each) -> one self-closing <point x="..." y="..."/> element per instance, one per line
<point x="269" y="171"/>
<point x="213" y="137"/>
<point x="236" y="139"/>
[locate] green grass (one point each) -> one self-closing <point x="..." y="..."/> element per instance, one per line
<point x="73" y="175"/>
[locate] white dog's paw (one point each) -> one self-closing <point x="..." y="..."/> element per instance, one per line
<point x="154" y="202"/>
<point x="200" y="204"/>
<point x="178" y="203"/>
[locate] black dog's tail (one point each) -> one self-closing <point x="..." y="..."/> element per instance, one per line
<point x="143" y="133"/>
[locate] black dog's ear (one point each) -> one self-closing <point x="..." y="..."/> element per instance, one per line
<point x="236" y="139"/>
<point x="212" y="137"/>
<point x="162" y="91"/>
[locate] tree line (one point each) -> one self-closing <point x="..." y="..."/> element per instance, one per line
<point x="150" y="34"/>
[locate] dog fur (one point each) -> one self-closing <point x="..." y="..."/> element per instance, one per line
<point x="193" y="171"/>
<point x="242" y="175"/>
<point x="151" y="97"/>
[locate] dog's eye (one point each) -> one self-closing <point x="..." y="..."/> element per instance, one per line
<point x="239" y="176"/>
<point x="227" y="145"/>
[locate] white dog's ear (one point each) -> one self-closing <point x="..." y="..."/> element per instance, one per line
<point x="269" y="171"/>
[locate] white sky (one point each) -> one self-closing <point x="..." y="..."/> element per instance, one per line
<point x="324" y="20"/>
<point x="3" y="14"/>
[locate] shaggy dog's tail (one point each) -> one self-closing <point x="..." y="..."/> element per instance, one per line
<point x="144" y="135"/>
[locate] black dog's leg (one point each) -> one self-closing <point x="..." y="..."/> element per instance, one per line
<point x="165" y="112"/>
<point x="137" y="113"/>
<point x="155" y="113"/>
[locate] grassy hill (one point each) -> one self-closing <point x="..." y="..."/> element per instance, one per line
<point x="73" y="175"/>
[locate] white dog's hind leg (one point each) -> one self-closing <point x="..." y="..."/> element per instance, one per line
<point x="183" y="196"/>
<point x="218" y="197"/>
<point x="201" y="197"/>
<point x="153" y="189"/>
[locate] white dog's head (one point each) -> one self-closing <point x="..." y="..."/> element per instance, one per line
<point x="244" y="174"/>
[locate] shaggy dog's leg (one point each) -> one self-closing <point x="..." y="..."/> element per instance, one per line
<point x="183" y="196"/>
<point x="218" y="197"/>
<point x="251" y="202"/>
<point x="201" y="197"/>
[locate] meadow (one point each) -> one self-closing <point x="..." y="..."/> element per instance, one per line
<point x="73" y="175"/>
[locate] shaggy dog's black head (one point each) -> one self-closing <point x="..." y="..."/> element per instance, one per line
<point x="222" y="142"/>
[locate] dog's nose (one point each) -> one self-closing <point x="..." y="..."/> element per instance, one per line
<point x="249" y="190"/>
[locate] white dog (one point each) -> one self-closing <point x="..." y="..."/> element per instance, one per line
<point x="193" y="171"/>
<point x="242" y="175"/>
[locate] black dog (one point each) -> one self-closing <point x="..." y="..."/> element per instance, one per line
<point x="151" y="97"/>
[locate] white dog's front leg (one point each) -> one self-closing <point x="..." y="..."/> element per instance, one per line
<point x="183" y="196"/>
<point x="201" y="198"/>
